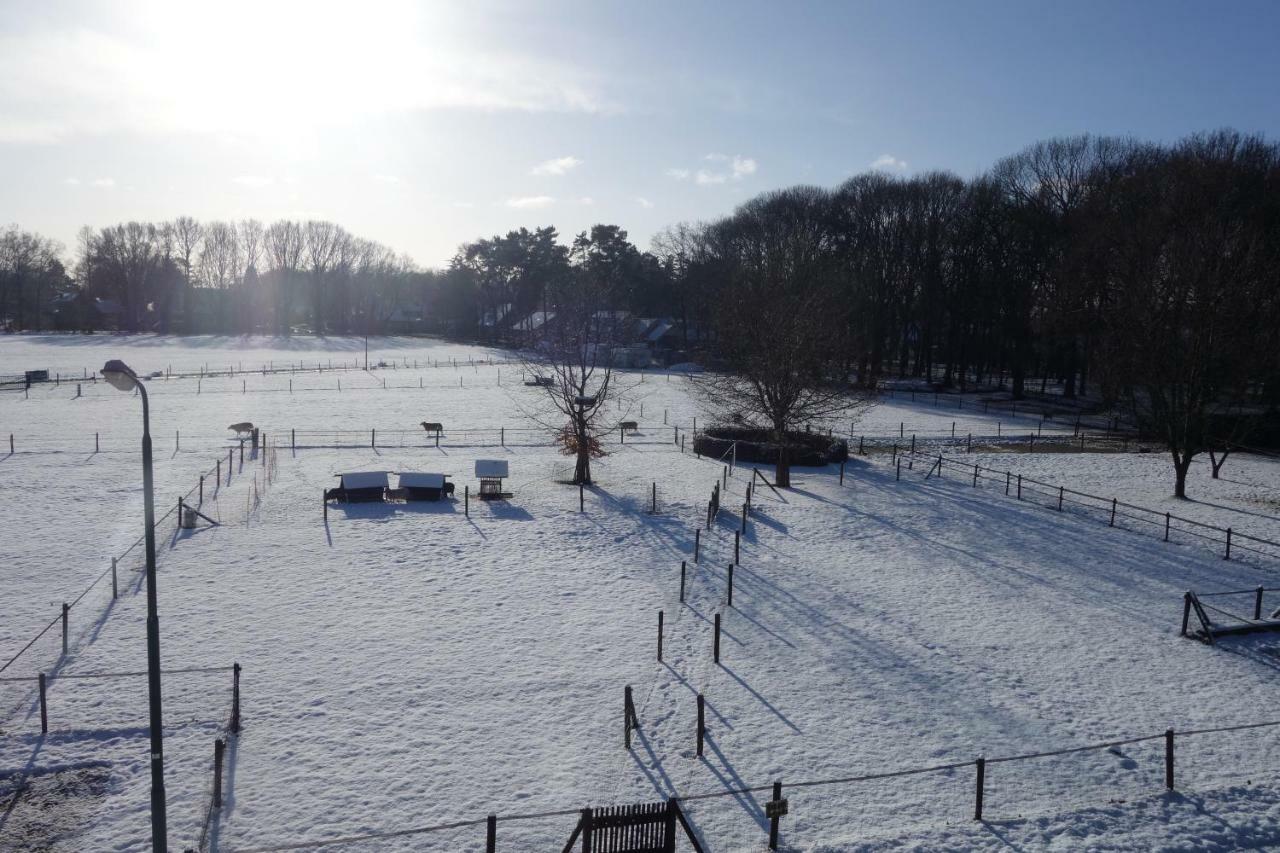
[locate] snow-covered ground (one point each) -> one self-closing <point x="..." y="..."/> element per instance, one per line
<point x="409" y="665"/>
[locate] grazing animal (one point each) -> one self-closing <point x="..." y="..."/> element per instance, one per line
<point x="631" y="426"/>
<point x="242" y="429"/>
<point x="430" y="427"/>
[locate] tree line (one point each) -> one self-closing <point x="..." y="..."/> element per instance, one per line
<point x="1142" y="274"/>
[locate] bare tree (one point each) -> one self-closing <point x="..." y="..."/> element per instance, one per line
<point x="320" y="238"/>
<point x="573" y="361"/>
<point x="780" y="319"/>
<point x="284" y="248"/>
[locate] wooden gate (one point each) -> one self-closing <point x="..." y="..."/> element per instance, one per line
<point x="642" y="828"/>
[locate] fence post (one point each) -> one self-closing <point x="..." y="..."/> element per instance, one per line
<point x="898" y="472"/>
<point x="1168" y="759"/>
<point x="1227" y="556"/>
<point x="982" y="775"/>
<point x="773" y="821"/>
<point x="968" y="443"/>
<point x="1257" y="604"/>
<point x="861" y="451"/>
<point x="697" y="543"/>
<point x="702" y="723"/>
<point x="715" y="646"/>
<point x="730" y="589"/>
<point x="654" y="509"/>
<point x="96" y="444"/>
<point x="626" y="716"/>
<point x="1113" y="513"/>
<point x="1019" y="487"/>
<point x="581" y="498"/>
<point x="201" y="501"/>
<point x="913" y="442"/>
<point x="975" y="476"/>
<point x="235" y="699"/>
<point x="66" y="609"/>
<point x="1166" y="526"/>
<point x="659" y="636"/>
<point x="491" y="834"/>
<point x="1060" y="492"/>
<point x="466" y="501"/>
<point x="737" y="537"/>
<point x="44" y="709"/>
<point x="373" y="438"/>
<point x="682" y="568"/>
<point x="842" y="473"/>
<point x="219" y="747"/>
<point x="293" y="439"/>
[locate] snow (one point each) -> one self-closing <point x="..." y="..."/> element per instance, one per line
<point x="409" y="664"/>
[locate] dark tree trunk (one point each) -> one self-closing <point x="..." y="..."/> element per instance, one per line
<point x="1181" y="464"/>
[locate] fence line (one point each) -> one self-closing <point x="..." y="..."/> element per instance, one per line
<point x="63" y="616"/>
<point x="1230" y="540"/>
<point x="1169" y="736"/>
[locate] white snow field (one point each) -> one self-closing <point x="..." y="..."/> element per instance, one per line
<point x="409" y="665"/>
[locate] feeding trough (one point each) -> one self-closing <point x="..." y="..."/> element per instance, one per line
<point x="491" y="473"/>
<point x="359" y="487"/>
<point x="423" y="486"/>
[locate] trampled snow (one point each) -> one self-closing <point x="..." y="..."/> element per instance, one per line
<point x="408" y="664"/>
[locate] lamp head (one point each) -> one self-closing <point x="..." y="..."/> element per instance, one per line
<point x="120" y="375"/>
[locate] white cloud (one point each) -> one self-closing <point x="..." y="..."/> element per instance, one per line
<point x="889" y="163"/>
<point x="644" y="202"/>
<point x="103" y="183"/>
<point x="738" y="167"/>
<point x="557" y="166"/>
<point x="530" y="202"/>
<point x="386" y="179"/>
<point x="253" y="181"/>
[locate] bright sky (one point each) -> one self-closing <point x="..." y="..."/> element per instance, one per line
<point x="425" y="125"/>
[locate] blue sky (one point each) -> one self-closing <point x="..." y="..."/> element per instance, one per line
<point x="426" y="125"/>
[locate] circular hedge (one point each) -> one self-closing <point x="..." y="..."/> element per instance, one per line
<point x="759" y="445"/>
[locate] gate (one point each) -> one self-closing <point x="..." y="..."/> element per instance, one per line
<point x="642" y="828"/>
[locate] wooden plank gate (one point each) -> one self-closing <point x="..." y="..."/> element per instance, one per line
<point x="642" y="828"/>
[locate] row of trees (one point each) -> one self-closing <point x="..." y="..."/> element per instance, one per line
<point x="1148" y="273"/>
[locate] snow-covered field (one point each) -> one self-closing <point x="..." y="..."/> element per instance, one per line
<point x="409" y="665"/>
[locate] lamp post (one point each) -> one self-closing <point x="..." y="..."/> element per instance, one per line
<point x="119" y="375"/>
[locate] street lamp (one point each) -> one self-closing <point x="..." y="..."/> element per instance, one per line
<point x="119" y="375"/>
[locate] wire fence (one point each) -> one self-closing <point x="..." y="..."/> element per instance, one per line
<point x="116" y="567"/>
<point x="1225" y="541"/>
<point x="1165" y="770"/>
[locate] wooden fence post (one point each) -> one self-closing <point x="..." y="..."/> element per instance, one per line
<point x="982" y="774"/>
<point x="201" y="500"/>
<point x="730" y="588"/>
<point x="1019" y="487"/>
<point x="1167" y="516"/>
<point x="581" y="498"/>
<point x="702" y="723"/>
<point x="1168" y="759"/>
<point x="777" y="816"/>
<point x="842" y="473"/>
<point x="66" y="610"/>
<point x="44" y="708"/>
<point x="1061" y="491"/>
<point x="659" y="636"/>
<point x="491" y="834"/>
<point x="1112" y="523"/>
<point x="219" y="747"/>
<point x="715" y="646"/>
<point x="1257" y="604"/>
<point x="744" y="521"/>
<point x="897" y="475"/>
<point x="654" y="508"/>
<point x="737" y="537"/>
<point x="1227" y="556"/>
<point x="626" y="716"/>
<point x="115" y="582"/>
<point x="235" y="699"/>
<point x="96" y="444"/>
<point x="682" y="569"/>
<point x="293" y="439"/>
<point x="373" y="438"/>
<point x="466" y="501"/>
<point x="697" y="543"/>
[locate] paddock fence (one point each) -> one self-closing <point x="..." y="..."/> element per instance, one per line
<point x="985" y="788"/>
<point x="1225" y="541"/>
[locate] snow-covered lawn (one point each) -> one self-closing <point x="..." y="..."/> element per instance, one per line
<point x="408" y="665"/>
